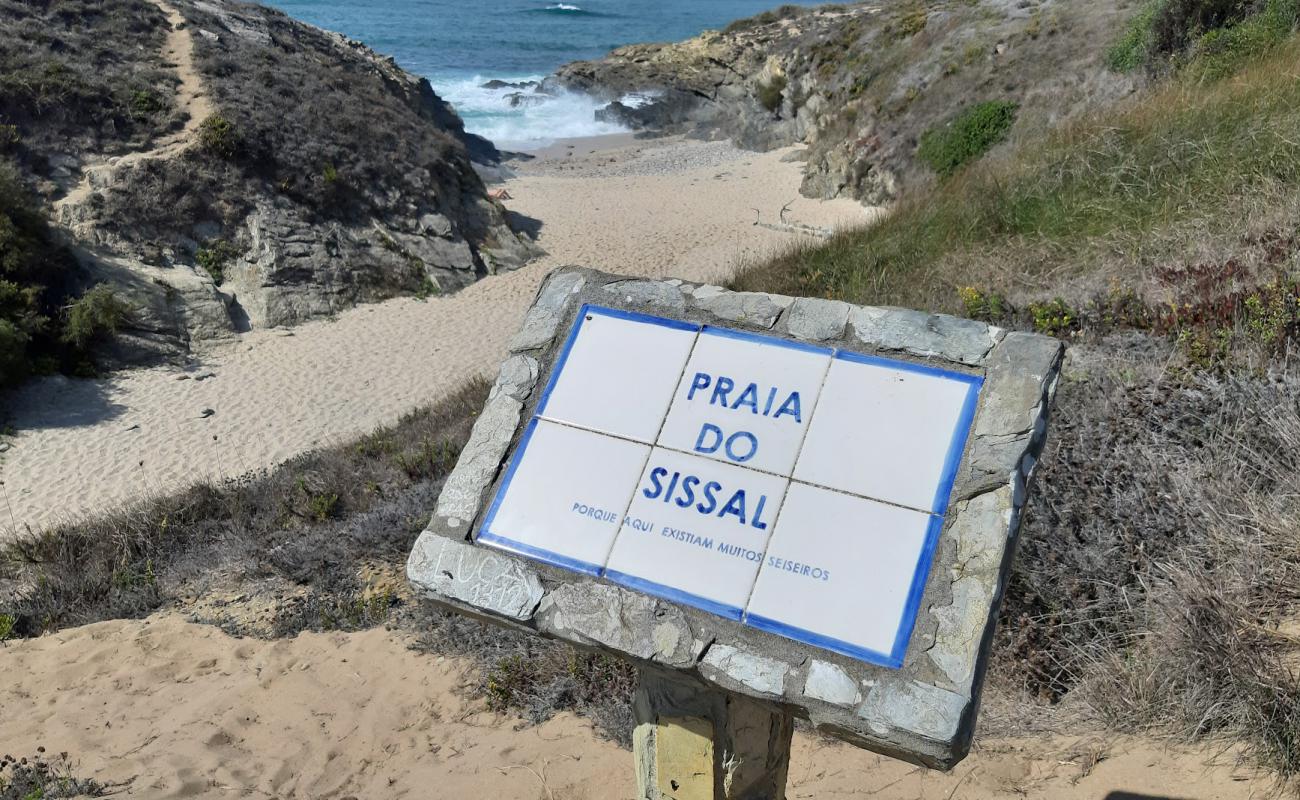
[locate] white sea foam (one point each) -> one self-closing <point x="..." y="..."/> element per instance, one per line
<point x="563" y="7"/>
<point x="488" y="113"/>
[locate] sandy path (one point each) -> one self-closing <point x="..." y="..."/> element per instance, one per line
<point x="683" y="210"/>
<point x="182" y="710"/>
<point x="191" y="98"/>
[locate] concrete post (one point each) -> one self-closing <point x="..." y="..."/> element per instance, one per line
<point x="696" y="743"/>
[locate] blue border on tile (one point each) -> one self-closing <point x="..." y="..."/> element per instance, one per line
<point x="824" y="642"/>
<point x="917" y="590"/>
<point x="487" y="536"/>
<point x="908" y="366"/>
<point x="615" y="313"/>
<point x="746" y="336"/>
<point x="537" y="554"/>
<point x="675" y="595"/>
<point x="961" y="431"/>
<point x="892" y="659"/>
<point x="955" y="448"/>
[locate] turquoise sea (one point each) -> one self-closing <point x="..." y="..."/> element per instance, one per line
<point x="460" y="45"/>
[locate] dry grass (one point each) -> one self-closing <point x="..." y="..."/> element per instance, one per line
<point x="1186" y="156"/>
<point x="1160" y="560"/>
<point x="1157" y="586"/>
<point x="319" y="543"/>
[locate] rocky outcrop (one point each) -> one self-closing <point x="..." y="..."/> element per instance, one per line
<point x="271" y="172"/>
<point x="860" y="83"/>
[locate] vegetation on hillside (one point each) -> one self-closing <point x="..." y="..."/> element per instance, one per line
<point x="44" y="327"/>
<point x="1160" y="557"/>
<point x="967" y="136"/>
<point x="1214" y="37"/>
<point x="54" y="102"/>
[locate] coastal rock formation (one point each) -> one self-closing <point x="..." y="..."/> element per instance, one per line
<point x="223" y="166"/>
<point x="860" y="83"/>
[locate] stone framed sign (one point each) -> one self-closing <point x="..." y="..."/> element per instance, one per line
<point x="804" y="502"/>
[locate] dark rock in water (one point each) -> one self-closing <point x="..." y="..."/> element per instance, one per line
<point x="499" y="84"/>
<point x="523" y="100"/>
<point x="671" y="109"/>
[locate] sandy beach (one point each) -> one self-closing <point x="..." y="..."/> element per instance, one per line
<point x="654" y="208"/>
<point x="167" y="708"/>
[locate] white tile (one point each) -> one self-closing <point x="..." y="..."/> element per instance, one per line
<point x="695" y="531"/>
<point x="746" y="399"/>
<point x="564" y="495"/>
<point x="619" y="373"/>
<point x="894" y="434"/>
<point x="841" y="568"/>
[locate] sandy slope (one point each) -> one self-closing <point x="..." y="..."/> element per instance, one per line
<point x="182" y="710"/>
<point x="684" y="210"/>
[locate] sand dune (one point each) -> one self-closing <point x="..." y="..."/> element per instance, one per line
<point x="685" y="209"/>
<point x="174" y="709"/>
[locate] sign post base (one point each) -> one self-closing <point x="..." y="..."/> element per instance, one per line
<point x="696" y="743"/>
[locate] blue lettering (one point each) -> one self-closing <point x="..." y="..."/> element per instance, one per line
<point x="771" y="398"/>
<point x="688" y="491"/>
<point x="710" y="498"/>
<point x="701" y="381"/>
<point x="749" y="397"/>
<point x="736" y="505"/>
<point x="655" y="475"/>
<point x="742" y="435"/>
<point x="791" y="407"/>
<point x="720" y="391"/>
<point x="758" y="522"/>
<point x="709" y="427"/>
<point x="672" y="486"/>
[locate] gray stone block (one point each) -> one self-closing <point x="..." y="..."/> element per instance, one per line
<point x="517" y="377"/>
<point x="928" y="335"/>
<point x="749" y="308"/>
<point x="817" y="320"/>
<point x="462" y="493"/>
<point x="632" y="623"/>
<point x="830" y="684"/>
<point x="649" y="293"/>
<point x="542" y="320"/>
<point x="979" y="531"/>
<point x="443" y="568"/>
<point x="916" y="708"/>
<point x="726" y="664"/>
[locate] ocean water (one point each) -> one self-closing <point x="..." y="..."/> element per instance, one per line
<point x="460" y="45"/>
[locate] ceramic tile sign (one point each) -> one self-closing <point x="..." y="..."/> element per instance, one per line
<point x="795" y="488"/>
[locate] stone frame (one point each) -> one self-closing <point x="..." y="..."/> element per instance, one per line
<point x="924" y="711"/>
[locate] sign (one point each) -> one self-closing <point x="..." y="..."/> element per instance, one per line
<point x="795" y="502"/>
<point x="796" y="488"/>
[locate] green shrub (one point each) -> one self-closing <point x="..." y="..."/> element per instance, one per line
<point x="213" y="258"/>
<point x="33" y="273"/>
<point x="985" y="306"/>
<point x="144" y="103"/>
<point x="1053" y="317"/>
<point x="93" y="316"/>
<point x="765" y="18"/>
<point x="770" y="92"/>
<point x="1222" y="51"/>
<point x="217" y="135"/>
<point x="1214" y="36"/>
<point x="427" y="288"/>
<point x="1130" y="51"/>
<point x="948" y="148"/>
